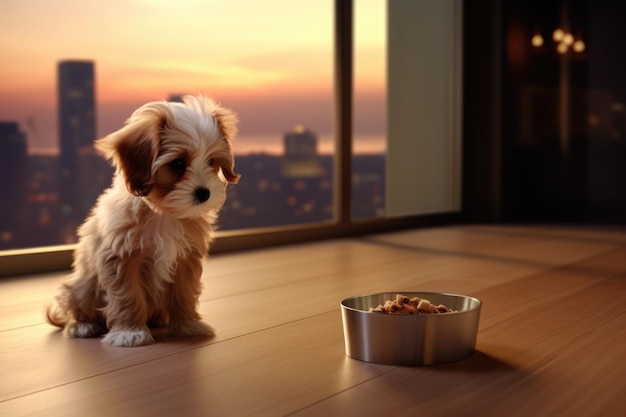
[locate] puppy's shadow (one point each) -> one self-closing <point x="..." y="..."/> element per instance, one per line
<point x="160" y="336"/>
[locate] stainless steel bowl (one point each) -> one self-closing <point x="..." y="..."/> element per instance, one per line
<point x="414" y="339"/>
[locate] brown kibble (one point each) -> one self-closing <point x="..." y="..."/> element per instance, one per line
<point x="406" y="305"/>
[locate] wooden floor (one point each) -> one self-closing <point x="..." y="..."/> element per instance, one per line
<point x="551" y="342"/>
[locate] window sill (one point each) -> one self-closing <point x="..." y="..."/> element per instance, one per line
<point x="54" y="258"/>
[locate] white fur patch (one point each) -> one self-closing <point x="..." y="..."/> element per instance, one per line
<point x="76" y="329"/>
<point x="128" y="337"/>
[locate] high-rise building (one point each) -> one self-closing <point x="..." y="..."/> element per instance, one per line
<point x="12" y="188"/>
<point x="80" y="168"/>
<point x="300" y="158"/>
<point x="77" y="106"/>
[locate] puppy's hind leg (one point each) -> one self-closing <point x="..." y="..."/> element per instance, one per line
<point x="183" y="301"/>
<point x="77" y="311"/>
<point x="83" y="329"/>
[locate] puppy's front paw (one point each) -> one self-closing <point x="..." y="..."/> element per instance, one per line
<point x="190" y="328"/>
<point x="128" y="337"/>
<point x="83" y="329"/>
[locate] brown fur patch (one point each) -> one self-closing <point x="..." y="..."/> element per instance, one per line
<point x="166" y="178"/>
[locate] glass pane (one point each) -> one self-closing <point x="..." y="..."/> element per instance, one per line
<point x="407" y="108"/>
<point x="74" y="71"/>
<point x="370" y="104"/>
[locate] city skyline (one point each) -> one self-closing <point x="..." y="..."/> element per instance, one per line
<point x="293" y="188"/>
<point x="51" y="195"/>
<point x="272" y="64"/>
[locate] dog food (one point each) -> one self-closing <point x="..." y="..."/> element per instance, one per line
<point x="405" y="305"/>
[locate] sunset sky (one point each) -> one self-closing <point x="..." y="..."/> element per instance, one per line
<point x="270" y="60"/>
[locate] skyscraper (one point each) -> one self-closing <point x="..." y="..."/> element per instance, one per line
<point x="12" y="188"/>
<point x="79" y="169"/>
<point x="300" y="158"/>
<point x="77" y="105"/>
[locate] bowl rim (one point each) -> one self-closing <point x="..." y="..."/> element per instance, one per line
<point x="407" y="294"/>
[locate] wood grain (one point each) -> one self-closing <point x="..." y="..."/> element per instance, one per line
<point x="552" y="336"/>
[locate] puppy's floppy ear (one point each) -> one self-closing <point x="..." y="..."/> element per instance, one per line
<point x="134" y="148"/>
<point x="227" y="123"/>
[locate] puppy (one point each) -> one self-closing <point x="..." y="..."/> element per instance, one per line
<point x="140" y="251"/>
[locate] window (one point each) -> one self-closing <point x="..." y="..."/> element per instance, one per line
<point x="289" y="76"/>
<point x="407" y="111"/>
<point x="272" y="64"/>
<point x="369" y="139"/>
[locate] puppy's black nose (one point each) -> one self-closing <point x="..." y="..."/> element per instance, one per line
<point x="202" y="194"/>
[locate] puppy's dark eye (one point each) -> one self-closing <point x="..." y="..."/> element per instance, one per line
<point x="211" y="162"/>
<point x="178" y="165"/>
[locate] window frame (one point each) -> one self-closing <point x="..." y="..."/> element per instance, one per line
<point x="51" y="258"/>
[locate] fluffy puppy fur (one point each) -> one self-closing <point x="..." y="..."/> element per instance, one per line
<point x="140" y="251"/>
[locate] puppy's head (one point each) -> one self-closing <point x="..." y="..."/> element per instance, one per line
<point x="177" y="156"/>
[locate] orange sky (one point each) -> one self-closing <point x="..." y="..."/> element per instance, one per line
<point x="270" y="60"/>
